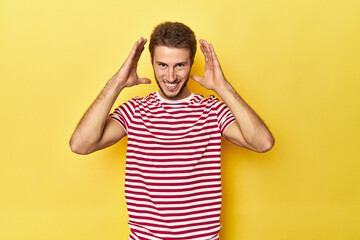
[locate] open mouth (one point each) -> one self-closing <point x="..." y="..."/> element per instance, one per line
<point x="171" y="86"/>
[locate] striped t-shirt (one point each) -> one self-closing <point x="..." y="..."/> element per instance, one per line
<point x="173" y="174"/>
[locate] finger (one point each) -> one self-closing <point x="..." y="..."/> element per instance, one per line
<point x="206" y="56"/>
<point x="212" y="51"/>
<point x="139" y="44"/>
<point x="196" y="78"/>
<point x="213" y="54"/>
<point x="206" y="50"/>
<point x="140" y="48"/>
<point x="133" y="52"/>
<point x="144" y="81"/>
<point x="142" y="41"/>
<point x="136" y="52"/>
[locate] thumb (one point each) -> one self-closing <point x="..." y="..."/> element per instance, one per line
<point x="196" y="78"/>
<point x="144" y="81"/>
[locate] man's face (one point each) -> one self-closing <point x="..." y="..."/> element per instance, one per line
<point x="172" y="70"/>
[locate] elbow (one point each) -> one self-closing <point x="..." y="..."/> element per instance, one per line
<point x="78" y="148"/>
<point x="267" y="145"/>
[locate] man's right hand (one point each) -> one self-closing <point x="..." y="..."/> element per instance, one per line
<point x="127" y="75"/>
<point x="95" y="130"/>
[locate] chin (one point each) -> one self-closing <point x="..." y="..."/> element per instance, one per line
<point x="171" y="95"/>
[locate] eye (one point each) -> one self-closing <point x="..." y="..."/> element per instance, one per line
<point x="180" y="65"/>
<point x="162" y="65"/>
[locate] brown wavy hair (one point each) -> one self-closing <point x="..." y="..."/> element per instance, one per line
<point x="173" y="35"/>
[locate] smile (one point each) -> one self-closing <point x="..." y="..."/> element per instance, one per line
<point x="171" y="86"/>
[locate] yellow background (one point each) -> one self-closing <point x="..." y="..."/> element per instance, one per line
<point x="297" y="63"/>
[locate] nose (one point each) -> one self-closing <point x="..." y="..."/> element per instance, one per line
<point x="171" y="75"/>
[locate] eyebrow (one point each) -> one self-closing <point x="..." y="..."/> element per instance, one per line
<point x="183" y="63"/>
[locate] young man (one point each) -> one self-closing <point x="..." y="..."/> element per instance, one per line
<point x="172" y="180"/>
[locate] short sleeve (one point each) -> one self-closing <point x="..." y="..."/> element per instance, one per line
<point x="124" y="113"/>
<point x="224" y="116"/>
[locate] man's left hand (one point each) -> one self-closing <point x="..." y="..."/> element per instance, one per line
<point x="213" y="78"/>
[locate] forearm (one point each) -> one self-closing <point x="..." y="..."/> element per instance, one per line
<point x="252" y="127"/>
<point x="90" y="128"/>
<point x="250" y="131"/>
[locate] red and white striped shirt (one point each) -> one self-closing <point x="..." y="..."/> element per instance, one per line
<point x="173" y="173"/>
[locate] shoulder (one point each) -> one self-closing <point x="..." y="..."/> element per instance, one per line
<point x="211" y="100"/>
<point x="151" y="98"/>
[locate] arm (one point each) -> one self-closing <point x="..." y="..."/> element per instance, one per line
<point x="95" y="130"/>
<point x="248" y="130"/>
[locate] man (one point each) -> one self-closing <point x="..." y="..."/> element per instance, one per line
<point x="172" y="180"/>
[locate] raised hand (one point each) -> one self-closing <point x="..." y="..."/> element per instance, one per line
<point x="127" y="74"/>
<point x="213" y="78"/>
<point x="95" y="130"/>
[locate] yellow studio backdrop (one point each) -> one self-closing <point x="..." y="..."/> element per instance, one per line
<point x="297" y="63"/>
